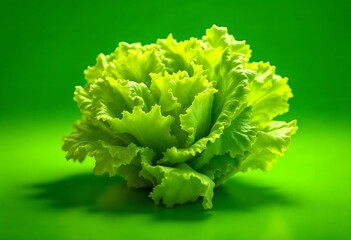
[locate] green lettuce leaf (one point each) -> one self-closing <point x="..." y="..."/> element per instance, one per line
<point x="96" y="71"/>
<point x="95" y="140"/>
<point x="136" y="66"/>
<point x="221" y="167"/>
<point x="84" y="101"/>
<point x="138" y="124"/>
<point x="270" y="143"/>
<point x="181" y="117"/>
<point x="218" y="37"/>
<point x="269" y="94"/>
<point x="196" y="121"/>
<point x="178" y="56"/>
<point x="178" y="185"/>
<point x="132" y="172"/>
<point x="235" y="140"/>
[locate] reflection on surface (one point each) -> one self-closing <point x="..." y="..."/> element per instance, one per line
<point x="112" y="196"/>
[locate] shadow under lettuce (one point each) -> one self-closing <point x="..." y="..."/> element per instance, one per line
<point x="112" y="196"/>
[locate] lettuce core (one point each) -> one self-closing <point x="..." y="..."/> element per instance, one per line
<point x="180" y="118"/>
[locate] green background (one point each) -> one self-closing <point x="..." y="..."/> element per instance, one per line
<point x="46" y="45"/>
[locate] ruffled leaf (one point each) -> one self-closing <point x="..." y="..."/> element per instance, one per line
<point x="271" y="142"/>
<point x="197" y="119"/>
<point x="84" y="100"/>
<point x="261" y="160"/>
<point x="231" y="83"/>
<point x="132" y="172"/>
<point x="209" y="59"/>
<point x="221" y="168"/>
<point x="182" y="184"/>
<point x="136" y="66"/>
<point x="269" y="94"/>
<point x="161" y="88"/>
<point x="235" y="140"/>
<point x="178" y="56"/>
<point x="151" y="129"/>
<point x="85" y="140"/>
<point x="110" y="157"/>
<point x="218" y="37"/>
<point x="95" y="72"/>
<point x="95" y="139"/>
<point x="113" y="96"/>
<point x="275" y="137"/>
<point x="175" y="92"/>
<point x="123" y="50"/>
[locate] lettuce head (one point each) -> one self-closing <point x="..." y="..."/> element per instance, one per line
<point x="180" y="118"/>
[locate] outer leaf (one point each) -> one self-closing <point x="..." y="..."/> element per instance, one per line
<point x="84" y="141"/>
<point x="175" y="155"/>
<point x="121" y="155"/>
<point x="131" y="172"/>
<point x="182" y="184"/>
<point x="269" y="94"/>
<point x="270" y="143"/>
<point x="96" y="140"/>
<point x="221" y="168"/>
<point x="110" y="157"/>
<point x="275" y="137"/>
<point x="153" y="173"/>
<point x="262" y="160"/>
<point x="84" y="100"/>
<point x="95" y="72"/>
<point x="142" y="126"/>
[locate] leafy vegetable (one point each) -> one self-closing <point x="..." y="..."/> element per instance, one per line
<point x="181" y="117"/>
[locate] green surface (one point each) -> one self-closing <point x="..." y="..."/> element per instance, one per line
<point x="305" y="196"/>
<point x="46" y="45"/>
